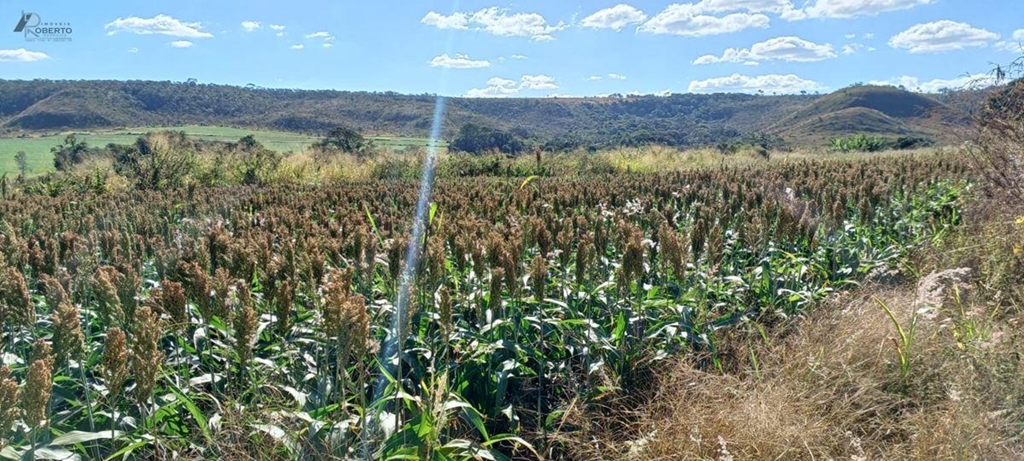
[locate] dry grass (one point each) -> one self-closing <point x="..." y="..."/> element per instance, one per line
<point x="831" y="388"/>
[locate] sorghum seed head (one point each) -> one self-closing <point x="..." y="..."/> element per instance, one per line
<point x="115" y="360"/>
<point x="10" y="395"/>
<point x="16" y="305"/>
<point x="538" y="276"/>
<point x="38" y="385"/>
<point x="145" y="353"/>
<point x="68" y="339"/>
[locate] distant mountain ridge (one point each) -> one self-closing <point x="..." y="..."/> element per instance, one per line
<point x="678" y="119"/>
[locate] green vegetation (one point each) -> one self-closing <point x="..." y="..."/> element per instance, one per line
<point x="865" y="143"/>
<point x="39" y="158"/>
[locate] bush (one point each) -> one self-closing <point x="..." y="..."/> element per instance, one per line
<point x="859" y="143"/>
<point x="69" y="153"/>
<point x="156" y="161"/>
<point x="477" y="139"/>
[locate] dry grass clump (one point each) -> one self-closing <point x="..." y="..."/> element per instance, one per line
<point x="832" y="389"/>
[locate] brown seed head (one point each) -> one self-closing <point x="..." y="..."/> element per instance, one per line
<point x="145" y="353"/>
<point x="538" y="276"/>
<point x="10" y="395"/>
<point x="68" y="339"/>
<point x="38" y="385"/>
<point x="16" y="307"/>
<point x="115" y="360"/>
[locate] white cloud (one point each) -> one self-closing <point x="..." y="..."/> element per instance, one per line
<point x="689" y="20"/>
<point x="498" y="87"/>
<point x="594" y="78"/>
<point x="159" y="24"/>
<point x="517" y="56"/>
<point x="868" y="36"/>
<point x="298" y="47"/>
<point x="497" y="21"/>
<point x="770" y="83"/>
<point x="458" y="21"/>
<point x="320" y="34"/>
<point x="790" y="48"/>
<point x="280" y="34"/>
<point x="1015" y="44"/>
<point x="537" y="82"/>
<point x="851" y="36"/>
<point x="944" y="35"/>
<point x="22" y="55"/>
<point x="250" y="26"/>
<point x="327" y="45"/>
<point x="133" y="50"/>
<point x="277" y="27"/>
<point x="181" y="44"/>
<point x="460" y="61"/>
<point x="615" y="76"/>
<point x="750" y="6"/>
<point x="933" y="86"/>
<point x="616" y="17"/>
<point x="849" y="8"/>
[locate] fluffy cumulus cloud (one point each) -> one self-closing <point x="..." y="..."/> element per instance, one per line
<point x="691" y="20"/>
<point x="277" y="27"/>
<point x="594" y="78"/>
<point x="459" y="61"/>
<point x="320" y="34"/>
<point x="518" y="56"/>
<point x="459" y="21"/>
<point x="1015" y="44"/>
<point x="22" y="55"/>
<point x="298" y="47"/>
<point x="856" y="48"/>
<point x="498" y="87"/>
<point x="615" y="76"/>
<point x="737" y="83"/>
<point x="497" y="21"/>
<point x="935" y="85"/>
<point x="160" y="24"/>
<point x="750" y="6"/>
<point x="537" y="82"/>
<point x="776" y="49"/>
<point x="944" y="35"/>
<point x="615" y="18"/>
<point x="250" y="26"/>
<point x="181" y="44"/>
<point x="849" y="8"/>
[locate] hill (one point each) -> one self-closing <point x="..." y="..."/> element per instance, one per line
<point x="679" y="119"/>
<point x="868" y="109"/>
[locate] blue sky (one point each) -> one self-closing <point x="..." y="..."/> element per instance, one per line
<point x="521" y="48"/>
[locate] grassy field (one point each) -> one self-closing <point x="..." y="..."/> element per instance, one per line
<point x="37" y="148"/>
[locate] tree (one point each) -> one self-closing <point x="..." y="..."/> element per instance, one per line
<point x="22" y="162"/>
<point x="156" y="161"/>
<point x="68" y="154"/>
<point x="344" y="139"/>
<point x="255" y="164"/>
<point x="478" y="139"/>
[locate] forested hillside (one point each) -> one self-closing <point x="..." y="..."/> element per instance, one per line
<point x="678" y="120"/>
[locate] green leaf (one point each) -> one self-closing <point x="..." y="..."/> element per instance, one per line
<point x="76" y="437"/>
<point x="53" y="453"/>
<point x="129" y="449"/>
<point x="193" y="410"/>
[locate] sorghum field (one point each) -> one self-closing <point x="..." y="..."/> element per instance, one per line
<point x="259" y="322"/>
